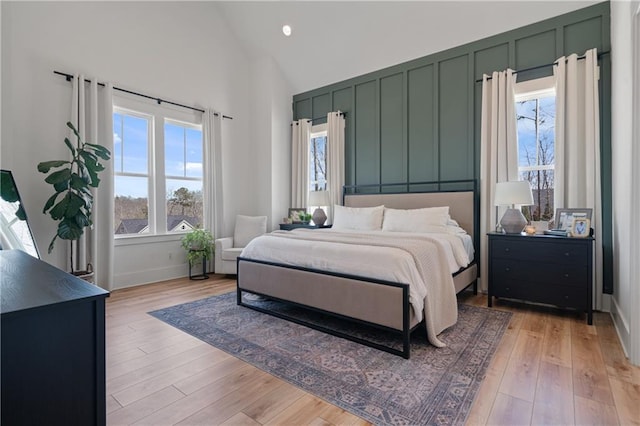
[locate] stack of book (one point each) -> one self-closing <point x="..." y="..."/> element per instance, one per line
<point x="558" y="232"/>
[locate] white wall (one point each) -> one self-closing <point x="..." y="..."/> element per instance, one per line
<point x="625" y="297"/>
<point x="178" y="51"/>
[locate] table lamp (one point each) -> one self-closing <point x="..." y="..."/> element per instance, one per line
<point x="319" y="199"/>
<point x="510" y="194"/>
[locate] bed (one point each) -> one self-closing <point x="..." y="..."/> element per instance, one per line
<point x="302" y="268"/>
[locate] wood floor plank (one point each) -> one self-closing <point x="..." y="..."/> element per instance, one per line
<point x="210" y="375"/>
<point x="521" y="373"/>
<point x="510" y="411"/>
<point x="590" y="378"/>
<point x="173" y="376"/>
<point x="176" y="412"/>
<point x="123" y="381"/>
<point x="240" y="419"/>
<point x="593" y="413"/>
<point x="627" y="400"/>
<point x="271" y="403"/>
<point x="144" y="407"/>
<point x="302" y="412"/>
<point x="553" y="403"/>
<point x="556" y="346"/>
<point x="226" y="407"/>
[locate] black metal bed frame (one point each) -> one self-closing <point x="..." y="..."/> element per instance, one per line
<point x="405" y="333"/>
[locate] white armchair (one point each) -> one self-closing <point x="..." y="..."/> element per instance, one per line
<point x="229" y="248"/>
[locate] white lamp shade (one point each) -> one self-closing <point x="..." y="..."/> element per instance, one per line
<point x="318" y="198"/>
<point x="511" y="193"/>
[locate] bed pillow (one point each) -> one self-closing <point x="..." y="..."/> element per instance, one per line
<point x="358" y="218"/>
<point x="430" y="219"/>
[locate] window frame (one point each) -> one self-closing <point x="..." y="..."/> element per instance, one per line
<point x="157" y="205"/>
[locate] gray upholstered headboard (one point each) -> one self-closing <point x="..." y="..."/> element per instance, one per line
<point x="461" y="203"/>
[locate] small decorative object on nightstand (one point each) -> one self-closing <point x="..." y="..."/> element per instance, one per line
<point x="319" y="198"/>
<point x="510" y="194"/>
<point x="555" y="270"/>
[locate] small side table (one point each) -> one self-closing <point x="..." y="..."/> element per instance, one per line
<point x="202" y="276"/>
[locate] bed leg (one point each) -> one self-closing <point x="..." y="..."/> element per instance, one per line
<point x="475" y="287"/>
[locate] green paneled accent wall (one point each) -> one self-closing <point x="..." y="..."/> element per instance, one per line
<point x="420" y="120"/>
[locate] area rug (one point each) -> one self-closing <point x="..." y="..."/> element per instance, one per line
<point x="436" y="386"/>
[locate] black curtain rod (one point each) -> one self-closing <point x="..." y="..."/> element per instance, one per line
<point x="546" y="65"/>
<point x="311" y="120"/>
<point x="142" y="95"/>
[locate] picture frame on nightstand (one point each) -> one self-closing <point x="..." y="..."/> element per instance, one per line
<point x="564" y="218"/>
<point x="581" y="228"/>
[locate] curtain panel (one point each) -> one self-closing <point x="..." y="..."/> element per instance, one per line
<point x="335" y="160"/>
<point x="212" y="180"/>
<point x="300" y="135"/>
<point x="577" y="145"/>
<point x="96" y="244"/>
<point x="499" y="152"/>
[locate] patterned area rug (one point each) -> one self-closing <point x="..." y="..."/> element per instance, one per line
<point x="435" y="387"/>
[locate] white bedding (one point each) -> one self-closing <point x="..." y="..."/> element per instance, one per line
<point x="391" y="256"/>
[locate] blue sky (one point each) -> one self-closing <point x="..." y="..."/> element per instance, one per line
<point x="132" y="155"/>
<point x="526" y="127"/>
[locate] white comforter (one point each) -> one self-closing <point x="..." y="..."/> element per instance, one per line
<point x="424" y="261"/>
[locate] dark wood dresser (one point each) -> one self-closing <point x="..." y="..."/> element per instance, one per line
<point x="543" y="269"/>
<point x="53" y="345"/>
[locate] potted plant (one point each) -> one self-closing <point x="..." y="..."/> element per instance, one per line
<point x="198" y="243"/>
<point x="72" y="202"/>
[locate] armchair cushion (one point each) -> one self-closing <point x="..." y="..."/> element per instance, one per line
<point x="247" y="228"/>
<point x="231" y="254"/>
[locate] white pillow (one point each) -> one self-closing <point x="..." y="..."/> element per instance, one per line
<point x="247" y="228"/>
<point x="358" y="218"/>
<point x="430" y="219"/>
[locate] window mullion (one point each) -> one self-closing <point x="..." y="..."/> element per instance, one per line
<point x="160" y="195"/>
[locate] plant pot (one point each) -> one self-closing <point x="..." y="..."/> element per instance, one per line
<point x="87" y="275"/>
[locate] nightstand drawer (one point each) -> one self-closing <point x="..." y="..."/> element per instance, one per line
<point x="541" y="250"/>
<point x="558" y="295"/>
<point x="528" y="271"/>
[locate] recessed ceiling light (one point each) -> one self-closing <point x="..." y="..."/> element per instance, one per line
<point x="286" y="29"/>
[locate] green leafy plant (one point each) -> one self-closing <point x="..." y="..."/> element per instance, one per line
<point x="306" y="217"/>
<point x="71" y="204"/>
<point x="198" y="243"/>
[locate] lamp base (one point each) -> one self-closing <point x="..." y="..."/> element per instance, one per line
<point x="513" y="221"/>
<point x="319" y="217"/>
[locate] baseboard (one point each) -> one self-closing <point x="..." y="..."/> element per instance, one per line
<point x="621" y="325"/>
<point x="147" y="276"/>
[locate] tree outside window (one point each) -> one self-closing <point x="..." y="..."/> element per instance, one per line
<point x="536" y="151"/>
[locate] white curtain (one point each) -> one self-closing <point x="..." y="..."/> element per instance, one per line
<point x="212" y="185"/>
<point x="499" y="152"/>
<point x="335" y="160"/>
<point x="96" y="245"/>
<point x="300" y="135"/>
<point x="577" y="145"/>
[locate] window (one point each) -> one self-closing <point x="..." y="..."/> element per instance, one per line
<point x="318" y="159"/>
<point x="318" y="168"/>
<point x="158" y="170"/>
<point x="536" y="111"/>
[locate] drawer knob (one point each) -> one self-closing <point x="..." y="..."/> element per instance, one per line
<point x="506" y="289"/>
<point x="507" y="269"/>
<point x="506" y="249"/>
<point x="567" y="254"/>
<point x="566" y="275"/>
<point x="566" y="297"/>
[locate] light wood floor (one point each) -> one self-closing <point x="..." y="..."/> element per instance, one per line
<point x="551" y="368"/>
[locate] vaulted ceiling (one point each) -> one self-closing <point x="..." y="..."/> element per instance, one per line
<point x="336" y="40"/>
